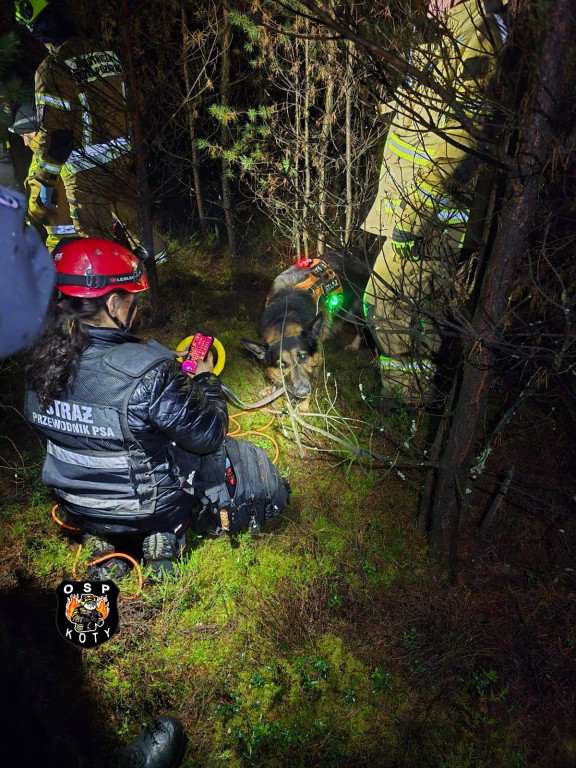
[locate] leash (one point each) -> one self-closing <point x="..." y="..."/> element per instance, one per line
<point x="253" y="406"/>
<point x="237" y="433"/>
<point x="186" y="344"/>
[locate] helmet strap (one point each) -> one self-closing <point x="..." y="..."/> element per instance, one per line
<point x="131" y="310"/>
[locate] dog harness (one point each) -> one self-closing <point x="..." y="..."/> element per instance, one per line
<point x="321" y="282"/>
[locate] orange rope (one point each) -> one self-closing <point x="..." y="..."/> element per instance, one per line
<point x="63" y="525"/>
<point x="99" y="559"/>
<point x="107" y="557"/>
<point x="236" y="433"/>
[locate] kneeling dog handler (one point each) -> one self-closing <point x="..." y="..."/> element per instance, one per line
<point x="135" y="446"/>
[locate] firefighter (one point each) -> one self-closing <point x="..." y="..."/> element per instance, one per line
<point x="125" y="427"/>
<point x="86" y="616"/>
<point x="56" y="219"/>
<point x="84" y="127"/>
<point x="424" y="195"/>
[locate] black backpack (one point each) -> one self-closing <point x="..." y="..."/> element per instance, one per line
<point x="238" y="487"/>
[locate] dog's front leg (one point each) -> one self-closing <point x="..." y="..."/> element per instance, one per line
<point x="354" y="345"/>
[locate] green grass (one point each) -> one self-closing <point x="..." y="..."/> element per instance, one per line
<point x="327" y="640"/>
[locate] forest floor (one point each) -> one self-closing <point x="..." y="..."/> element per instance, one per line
<point x="330" y="639"/>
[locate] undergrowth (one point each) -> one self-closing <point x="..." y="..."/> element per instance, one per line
<point x="329" y="639"/>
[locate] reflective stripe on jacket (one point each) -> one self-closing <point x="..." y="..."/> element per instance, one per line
<point x="96" y="155"/>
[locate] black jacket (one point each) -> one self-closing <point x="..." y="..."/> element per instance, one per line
<point x="124" y="440"/>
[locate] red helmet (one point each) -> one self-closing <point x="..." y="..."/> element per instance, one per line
<point x="90" y="267"/>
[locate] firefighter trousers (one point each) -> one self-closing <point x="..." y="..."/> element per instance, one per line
<point x="103" y="196"/>
<point x="405" y="302"/>
<point x="56" y="222"/>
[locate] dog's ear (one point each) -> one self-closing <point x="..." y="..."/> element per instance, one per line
<point x="256" y="348"/>
<point x="314" y="330"/>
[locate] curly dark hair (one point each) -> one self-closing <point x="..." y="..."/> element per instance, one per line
<point x="53" y="358"/>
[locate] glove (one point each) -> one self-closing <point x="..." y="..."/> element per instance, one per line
<point x="36" y="208"/>
<point x="45" y="197"/>
<point x="406" y="245"/>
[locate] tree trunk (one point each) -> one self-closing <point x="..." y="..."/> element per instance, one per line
<point x="306" y="148"/>
<point x="348" y="139"/>
<point x="327" y="118"/>
<point x="191" y="112"/>
<point x="224" y="132"/>
<point x="140" y="158"/>
<point x="298" y="215"/>
<point x="536" y="141"/>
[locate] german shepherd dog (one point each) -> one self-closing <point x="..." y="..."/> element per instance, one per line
<point x="290" y="350"/>
<point x="296" y="320"/>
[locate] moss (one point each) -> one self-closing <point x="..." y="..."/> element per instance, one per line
<point x="115" y="685"/>
<point x="325" y="641"/>
<point x="48" y="556"/>
<point x="298" y="704"/>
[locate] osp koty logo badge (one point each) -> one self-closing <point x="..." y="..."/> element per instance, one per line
<point x="87" y="612"/>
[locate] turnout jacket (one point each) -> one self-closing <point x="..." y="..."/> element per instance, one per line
<point x="124" y="441"/>
<point x="81" y="104"/>
<point x="424" y="178"/>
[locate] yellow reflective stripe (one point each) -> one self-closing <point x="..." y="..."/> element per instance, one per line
<point x="97" y="154"/>
<point x="453" y="216"/>
<point x="391" y="206"/>
<point x="50" y="167"/>
<point x="442" y="206"/>
<point x="479" y="113"/>
<point x="387" y="364"/>
<point x="403" y="149"/>
<point x="86" y="120"/>
<point x="61" y="229"/>
<point x="428" y="195"/>
<point x="52" y="101"/>
<point x="461" y="239"/>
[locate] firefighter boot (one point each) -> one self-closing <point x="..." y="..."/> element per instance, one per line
<point x="160" y="745"/>
<point x="159" y="550"/>
<point x="111" y="568"/>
